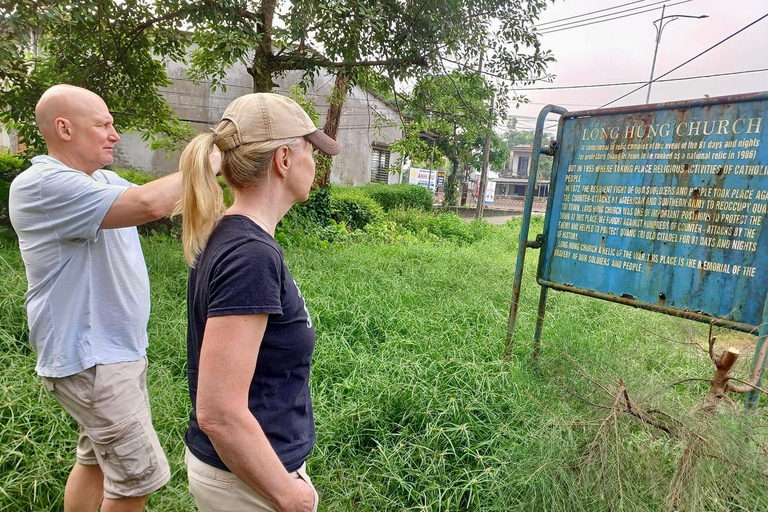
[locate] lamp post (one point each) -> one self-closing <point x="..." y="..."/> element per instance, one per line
<point x="663" y="22"/>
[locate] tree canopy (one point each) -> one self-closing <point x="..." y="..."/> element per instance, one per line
<point x="119" y="49"/>
<point x="114" y="49"/>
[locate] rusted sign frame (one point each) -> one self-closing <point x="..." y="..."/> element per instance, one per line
<point x="550" y="223"/>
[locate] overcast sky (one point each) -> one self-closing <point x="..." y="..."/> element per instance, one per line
<point x="621" y="50"/>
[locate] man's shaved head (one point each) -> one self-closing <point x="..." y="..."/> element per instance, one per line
<point x="77" y="127"/>
<point x="67" y="101"/>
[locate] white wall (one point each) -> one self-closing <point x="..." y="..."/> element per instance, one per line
<point x="7" y="140"/>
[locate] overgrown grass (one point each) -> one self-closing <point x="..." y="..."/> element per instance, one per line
<point x="415" y="407"/>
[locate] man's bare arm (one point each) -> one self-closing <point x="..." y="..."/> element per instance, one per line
<point x="146" y="203"/>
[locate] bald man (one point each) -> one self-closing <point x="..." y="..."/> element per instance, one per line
<point x="88" y="297"/>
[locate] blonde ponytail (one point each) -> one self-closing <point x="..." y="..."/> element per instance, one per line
<point x="202" y="200"/>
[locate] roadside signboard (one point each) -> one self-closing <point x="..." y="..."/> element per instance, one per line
<point x="490" y="192"/>
<point x="424" y="177"/>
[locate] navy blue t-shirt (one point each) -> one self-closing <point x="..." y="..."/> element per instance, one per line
<point x="242" y="272"/>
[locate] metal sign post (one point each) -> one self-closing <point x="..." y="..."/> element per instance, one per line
<point x="660" y="207"/>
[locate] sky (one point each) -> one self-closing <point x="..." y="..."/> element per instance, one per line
<point x="621" y="50"/>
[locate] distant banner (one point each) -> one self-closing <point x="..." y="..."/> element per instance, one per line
<point x="490" y="192"/>
<point x="426" y="178"/>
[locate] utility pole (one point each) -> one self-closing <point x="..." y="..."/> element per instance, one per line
<point x="655" y="52"/>
<point x="486" y="158"/>
<point x="486" y="153"/>
<point x="663" y="22"/>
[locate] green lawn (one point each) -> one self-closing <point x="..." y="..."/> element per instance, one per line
<point x="415" y="407"/>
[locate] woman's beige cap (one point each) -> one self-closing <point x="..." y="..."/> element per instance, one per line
<point x="261" y="117"/>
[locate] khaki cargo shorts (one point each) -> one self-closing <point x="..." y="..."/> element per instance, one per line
<point x="111" y="405"/>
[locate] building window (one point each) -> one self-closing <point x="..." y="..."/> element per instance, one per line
<point x="380" y="165"/>
<point x="522" y="166"/>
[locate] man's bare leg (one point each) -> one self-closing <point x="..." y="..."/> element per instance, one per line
<point x="124" y="504"/>
<point x="85" y="488"/>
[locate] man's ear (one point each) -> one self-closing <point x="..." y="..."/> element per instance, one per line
<point x="282" y="160"/>
<point x="63" y="128"/>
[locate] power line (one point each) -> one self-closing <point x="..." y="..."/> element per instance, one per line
<point x="616" y="84"/>
<point x="588" y="13"/>
<point x="611" y="19"/>
<point x="605" y="15"/>
<point x="689" y="60"/>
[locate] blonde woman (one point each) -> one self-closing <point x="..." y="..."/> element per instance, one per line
<point x="250" y="337"/>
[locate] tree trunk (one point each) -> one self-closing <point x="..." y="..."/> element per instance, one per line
<point x="719" y="384"/>
<point x="693" y="452"/>
<point x="262" y="68"/>
<point x="332" y="120"/>
<point x="451" y="194"/>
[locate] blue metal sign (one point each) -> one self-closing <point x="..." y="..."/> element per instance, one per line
<point x="663" y="207"/>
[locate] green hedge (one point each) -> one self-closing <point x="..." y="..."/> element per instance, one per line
<point x="11" y="165"/>
<point x="352" y="207"/>
<point x="134" y="176"/>
<point x="445" y="226"/>
<point x="400" y="196"/>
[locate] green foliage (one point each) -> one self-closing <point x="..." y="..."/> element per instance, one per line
<point x="116" y="49"/>
<point x="354" y="208"/>
<point x="498" y="154"/>
<point x="135" y="177"/>
<point x="455" y="107"/>
<point x="451" y="191"/>
<point x="11" y="165"/>
<point x="443" y="226"/>
<point x="402" y="195"/>
<point x="310" y="223"/>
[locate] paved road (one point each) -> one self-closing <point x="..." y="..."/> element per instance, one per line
<point x="500" y="219"/>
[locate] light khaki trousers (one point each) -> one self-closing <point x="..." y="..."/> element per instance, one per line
<point x="216" y="490"/>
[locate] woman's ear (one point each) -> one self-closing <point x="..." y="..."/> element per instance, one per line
<point x="282" y="160"/>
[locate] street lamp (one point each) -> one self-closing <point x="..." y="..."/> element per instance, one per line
<point x="663" y="22"/>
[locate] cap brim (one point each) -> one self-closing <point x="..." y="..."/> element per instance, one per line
<point x="324" y="143"/>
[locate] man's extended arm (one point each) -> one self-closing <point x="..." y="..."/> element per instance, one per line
<point x="139" y="205"/>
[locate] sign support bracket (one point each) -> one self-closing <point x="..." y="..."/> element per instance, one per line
<point x="523" y="242"/>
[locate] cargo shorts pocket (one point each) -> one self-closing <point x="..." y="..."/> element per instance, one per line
<point x="124" y="451"/>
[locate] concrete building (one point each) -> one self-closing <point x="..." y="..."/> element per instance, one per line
<point x="368" y="124"/>
<point x="519" y="162"/>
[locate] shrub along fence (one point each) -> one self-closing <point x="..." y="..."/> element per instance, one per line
<point x="403" y="195"/>
<point x="10" y="166"/>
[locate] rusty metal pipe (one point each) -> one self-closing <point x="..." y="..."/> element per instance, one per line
<point x="758" y="363"/>
<point x="539" y="327"/>
<point x="523" y="242"/>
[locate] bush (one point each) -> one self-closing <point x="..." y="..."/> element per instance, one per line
<point x="310" y="222"/>
<point x="400" y="196"/>
<point x="354" y="208"/>
<point x="134" y="176"/>
<point x="11" y="165"/>
<point x="446" y="226"/>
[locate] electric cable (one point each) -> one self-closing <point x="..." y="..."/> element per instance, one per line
<point x="611" y="19"/>
<point x="588" y="13"/>
<point x="688" y="61"/>
<point x="579" y="22"/>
